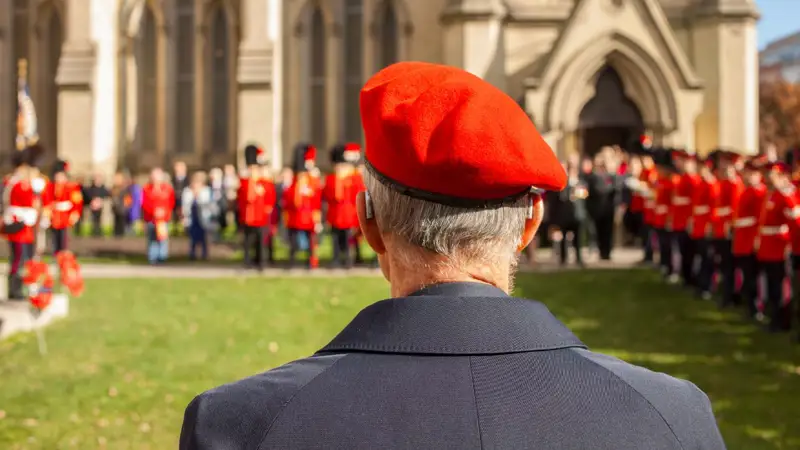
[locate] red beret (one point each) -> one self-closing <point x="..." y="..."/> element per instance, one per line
<point x="441" y="134"/>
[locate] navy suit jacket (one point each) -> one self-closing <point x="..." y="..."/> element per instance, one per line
<point x="454" y="366"/>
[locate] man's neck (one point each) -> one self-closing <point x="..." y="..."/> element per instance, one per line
<point x="407" y="280"/>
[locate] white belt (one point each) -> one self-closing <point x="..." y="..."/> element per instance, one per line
<point x="701" y="209"/>
<point x="792" y="213"/>
<point x="26" y="215"/>
<point x="723" y="211"/>
<point x="681" y="201"/>
<point x="64" y="206"/>
<point x="661" y="209"/>
<point x="773" y="231"/>
<point x="742" y="222"/>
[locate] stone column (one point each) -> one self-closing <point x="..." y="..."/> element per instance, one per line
<point x="474" y="38"/>
<point x="7" y="84"/>
<point x="105" y="151"/>
<point x="724" y="41"/>
<point x="259" y="115"/>
<point x="75" y="76"/>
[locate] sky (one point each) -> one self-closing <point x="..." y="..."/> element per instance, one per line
<point x="778" y="19"/>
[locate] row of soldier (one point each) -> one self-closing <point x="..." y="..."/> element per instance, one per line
<point x="35" y="205"/>
<point x="725" y="224"/>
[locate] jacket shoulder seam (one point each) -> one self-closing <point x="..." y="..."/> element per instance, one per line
<point x="289" y="400"/>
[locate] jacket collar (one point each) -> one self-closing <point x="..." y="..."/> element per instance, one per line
<point x="454" y="319"/>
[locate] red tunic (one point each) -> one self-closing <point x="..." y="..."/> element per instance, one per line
<point x="26" y="199"/>
<point x="302" y="203"/>
<point x="66" y="206"/>
<point x="778" y="215"/>
<point x="664" y="190"/>
<point x="702" y="199"/>
<point x="724" y="208"/>
<point x="745" y="222"/>
<point x="157" y="202"/>
<point x="340" y="195"/>
<point x="682" y="200"/>
<point x="256" y="199"/>
<point x="649" y="184"/>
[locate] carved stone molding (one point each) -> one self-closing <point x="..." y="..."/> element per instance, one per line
<point x="254" y="66"/>
<point x="76" y="68"/>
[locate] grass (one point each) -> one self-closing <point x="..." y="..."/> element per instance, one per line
<point x="133" y="352"/>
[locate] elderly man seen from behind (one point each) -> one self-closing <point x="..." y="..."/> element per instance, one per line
<point x="454" y="174"/>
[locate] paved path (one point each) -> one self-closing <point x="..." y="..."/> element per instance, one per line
<point x="623" y="258"/>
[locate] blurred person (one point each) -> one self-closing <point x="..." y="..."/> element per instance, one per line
<point x="77" y="230"/>
<point x="602" y="202"/>
<point x="220" y="199"/>
<point x="665" y="188"/>
<point x="158" y="199"/>
<point x="567" y="213"/>
<point x="452" y="360"/>
<point x="137" y="196"/>
<point x="230" y="181"/>
<point x="67" y="203"/>
<point x="745" y="232"/>
<point x="96" y="196"/>
<point x="702" y="200"/>
<point x="688" y="181"/>
<point x="729" y="190"/>
<point x="778" y="217"/>
<point x="282" y="183"/>
<point x="647" y="183"/>
<point x="179" y="181"/>
<point x="199" y="211"/>
<point x="302" y="205"/>
<point x="121" y="203"/>
<point x="256" y="199"/>
<point x="339" y="195"/>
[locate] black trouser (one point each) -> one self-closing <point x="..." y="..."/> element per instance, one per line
<point x="294" y="245"/>
<point x="19" y="254"/>
<point x="647" y="242"/>
<point x="747" y="265"/>
<point x="604" y="225"/>
<point x="724" y="260"/>
<point x="78" y="228"/>
<point x="577" y="236"/>
<point x="254" y="240"/>
<point x="97" y="229"/>
<point x="59" y="240"/>
<point x="665" y="252"/>
<point x="120" y="223"/>
<point x="778" y="313"/>
<point x="341" y="246"/>
<point x="705" y="267"/>
<point x="688" y="249"/>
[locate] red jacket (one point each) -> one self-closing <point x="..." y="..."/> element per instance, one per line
<point x="745" y="222"/>
<point x="682" y="200"/>
<point x="340" y="193"/>
<point x="302" y="203"/>
<point x="664" y="190"/>
<point x="725" y="207"/>
<point x="256" y="199"/>
<point x="66" y="206"/>
<point x="777" y="217"/>
<point x="26" y="201"/>
<point x="649" y="183"/>
<point x="157" y="202"/>
<point x="702" y="199"/>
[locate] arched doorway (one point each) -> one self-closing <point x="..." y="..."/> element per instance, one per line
<point x="610" y="117"/>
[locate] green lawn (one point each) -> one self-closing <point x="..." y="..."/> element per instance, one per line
<point x="133" y="353"/>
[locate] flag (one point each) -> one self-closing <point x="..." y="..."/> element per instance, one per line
<point x="27" y="126"/>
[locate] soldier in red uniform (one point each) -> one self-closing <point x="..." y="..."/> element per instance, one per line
<point x="688" y="180"/>
<point x="745" y="232"/>
<point x="647" y="182"/>
<point x="793" y="160"/>
<point x="23" y="204"/>
<point x="702" y="199"/>
<point x="302" y="204"/>
<point x="663" y="201"/>
<point x="256" y="199"/>
<point x="66" y="206"/>
<point x="339" y="194"/>
<point x="722" y="213"/>
<point x="158" y="199"/>
<point x="779" y="214"/>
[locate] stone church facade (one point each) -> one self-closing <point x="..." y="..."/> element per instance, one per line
<point x="138" y="83"/>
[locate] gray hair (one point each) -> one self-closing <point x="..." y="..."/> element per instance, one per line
<point x="462" y="236"/>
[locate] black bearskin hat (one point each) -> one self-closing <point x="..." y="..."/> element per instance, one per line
<point x="59" y="166"/>
<point x="253" y="155"/>
<point x="30" y="156"/>
<point x="337" y="154"/>
<point x="303" y="152"/>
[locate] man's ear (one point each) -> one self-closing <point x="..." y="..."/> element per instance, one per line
<point x="533" y="222"/>
<point x="368" y="224"/>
